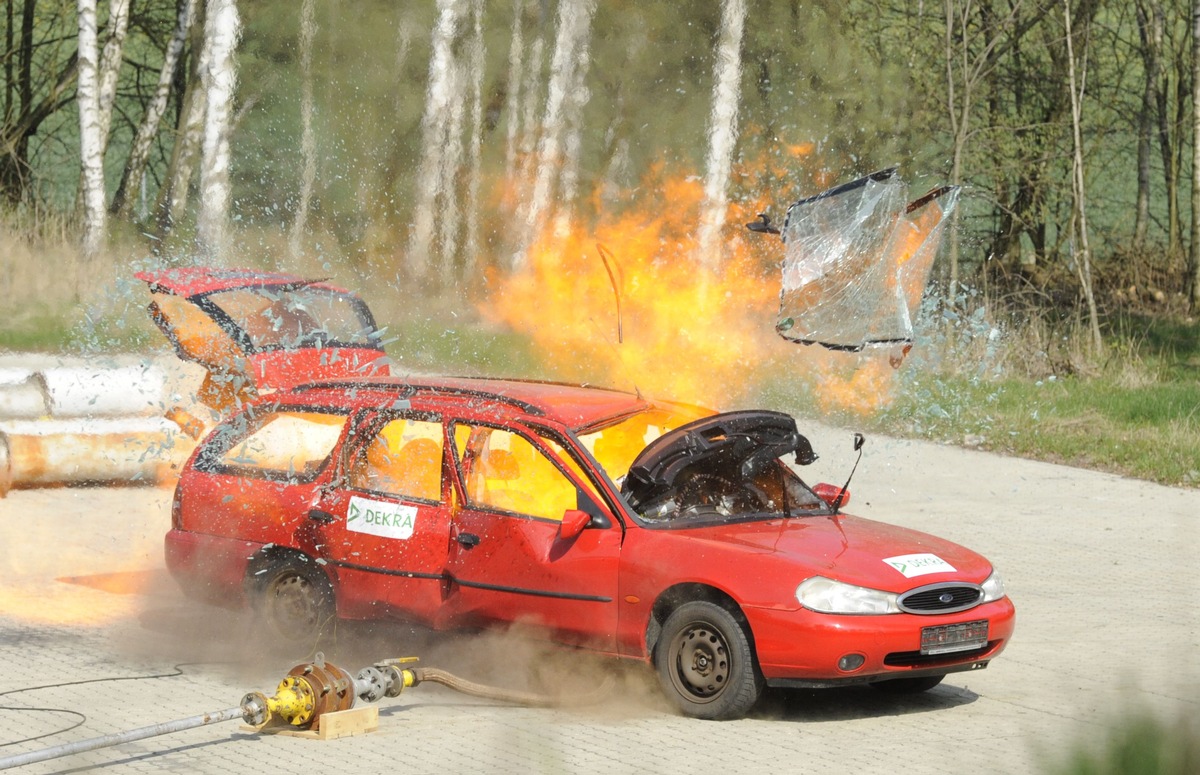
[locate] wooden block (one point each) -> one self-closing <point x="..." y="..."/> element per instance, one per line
<point x="344" y="723"/>
<point x="330" y="726"/>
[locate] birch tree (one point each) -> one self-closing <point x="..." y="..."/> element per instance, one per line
<point x="308" y="143"/>
<point x="219" y="78"/>
<point x="1194" y="273"/>
<point x="475" y="145"/>
<point x="722" y="131"/>
<point x="574" y="27"/>
<point x="434" y="127"/>
<point x="110" y="64"/>
<point x="1083" y="257"/>
<point x="139" y="154"/>
<point x="91" y="144"/>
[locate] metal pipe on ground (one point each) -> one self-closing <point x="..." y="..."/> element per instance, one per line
<point x="307" y="692"/>
<point x="126" y="450"/>
<point x="116" y="738"/>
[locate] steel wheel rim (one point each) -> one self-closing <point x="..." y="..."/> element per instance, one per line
<point x="700" y="662"/>
<point x="293" y="604"/>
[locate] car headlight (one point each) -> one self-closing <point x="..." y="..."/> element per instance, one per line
<point x="834" y="597"/>
<point x="993" y="588"/>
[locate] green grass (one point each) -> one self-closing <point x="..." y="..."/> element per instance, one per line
<point x="1139" y="743"/>
<point x="1149" y="432"/>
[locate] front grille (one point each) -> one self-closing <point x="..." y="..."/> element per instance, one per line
<point x="941" y="598"/>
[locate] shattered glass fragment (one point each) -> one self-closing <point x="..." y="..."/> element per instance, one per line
<point x="857" y="260"/>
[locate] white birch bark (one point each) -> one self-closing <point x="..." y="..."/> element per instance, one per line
<point x="219" y="79"/>
<point x="574" y="26"/>
<point x="722" y="131"/>
<point x="512" y="99"/>
<point x="91" y="146"/>
<point x="433" y="131"/>
<point x="475" y="145"/>
<point x="139" y="154"/>
<point x="110" y="64"/>
<point x="446" y="201"/>
<point x="308" y="143"/>
<point x="568" y="181"/>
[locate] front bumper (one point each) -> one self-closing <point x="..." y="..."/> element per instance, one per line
<point x="801" y="648"/>
<point x="209" y="568"/>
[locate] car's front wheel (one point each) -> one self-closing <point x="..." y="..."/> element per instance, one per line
<point x="293" y="596"/>
<point x="705" y="662"/>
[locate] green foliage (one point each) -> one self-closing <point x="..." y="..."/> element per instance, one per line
<point x="1139" y="743"/>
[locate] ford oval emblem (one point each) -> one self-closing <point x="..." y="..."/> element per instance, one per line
<point x="945" y="598"/>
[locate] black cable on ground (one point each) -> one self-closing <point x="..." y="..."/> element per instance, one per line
<point x="82" y="718"/>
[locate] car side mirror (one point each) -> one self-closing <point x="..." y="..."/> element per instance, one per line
<point x="573" y="523"/>
<point x="830" y="492"/>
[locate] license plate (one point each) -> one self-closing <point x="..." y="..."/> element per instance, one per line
<point x="954" y="637"/>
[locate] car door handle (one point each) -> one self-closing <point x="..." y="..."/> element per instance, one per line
<point x="324" y="517"/>
<point x="468" y="540"/>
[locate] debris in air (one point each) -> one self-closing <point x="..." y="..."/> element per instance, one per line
<point x="856" y="261"/>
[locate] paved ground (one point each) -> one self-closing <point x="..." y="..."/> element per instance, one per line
<point x="1102" y="570"/>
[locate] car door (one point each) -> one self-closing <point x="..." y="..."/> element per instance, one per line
<point x="384" y="521"/>
<point x="509" y="562"/>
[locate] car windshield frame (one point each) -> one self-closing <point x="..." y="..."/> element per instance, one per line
<point x="291" y="297"/>
<point x="674" y="517"/>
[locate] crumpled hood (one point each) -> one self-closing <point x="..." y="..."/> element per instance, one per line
<point x="853" y="550"/>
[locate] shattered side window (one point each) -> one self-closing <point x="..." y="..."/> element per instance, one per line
<point x="289" y="445"/>
<point x="504" y="471"/>
<point x="857" y="260"/>
<point x="404" y="458"/>
<point x="288" y="318"/>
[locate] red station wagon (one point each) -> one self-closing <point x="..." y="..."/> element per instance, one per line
<point x="646" y="530"/>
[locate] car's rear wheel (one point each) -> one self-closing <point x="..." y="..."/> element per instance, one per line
<point x="705" y="662"/>
<point x="293" y="596"/>
<point x="909" y="685"/>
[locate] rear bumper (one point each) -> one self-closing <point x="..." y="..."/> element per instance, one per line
<point x="802" y="648"/>
<point x="209" y="568"/>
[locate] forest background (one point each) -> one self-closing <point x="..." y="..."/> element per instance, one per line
<point x="465" y="163"/>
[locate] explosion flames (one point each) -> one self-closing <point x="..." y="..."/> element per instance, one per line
<point x="678" y="330"/>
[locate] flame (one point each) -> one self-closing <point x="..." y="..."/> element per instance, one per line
<point x="686" y="333"/>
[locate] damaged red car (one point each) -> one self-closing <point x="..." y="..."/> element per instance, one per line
<point x="646" y="530"/>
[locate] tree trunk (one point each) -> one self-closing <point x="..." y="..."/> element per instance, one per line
<point x="91" y="146"/>
<point x="475" y="173"/>
<point x="308" y="143"/>
<point x="110" y="64"/>
<point x="1194" y="274"/>
<point x="1149" y="22"/>
<point x="219" y="78"/>
<point x="139" y="154"/>
<point x="1083" y="260"/>
<point x="574" y="28"/>
<point x="512" y="97"/>
<point x="577" y="99"/>
<point x="722" y="132"/>
<point x="433" y="134"/>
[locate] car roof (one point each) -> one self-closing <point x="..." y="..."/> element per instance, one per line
<point x="575" y="406"/>
<point x="193" y="280"/>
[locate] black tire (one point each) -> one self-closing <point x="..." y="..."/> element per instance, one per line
<point x="292" y="596"/>
<point x="909" y="685"/>
<point x="705" y="662"/>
